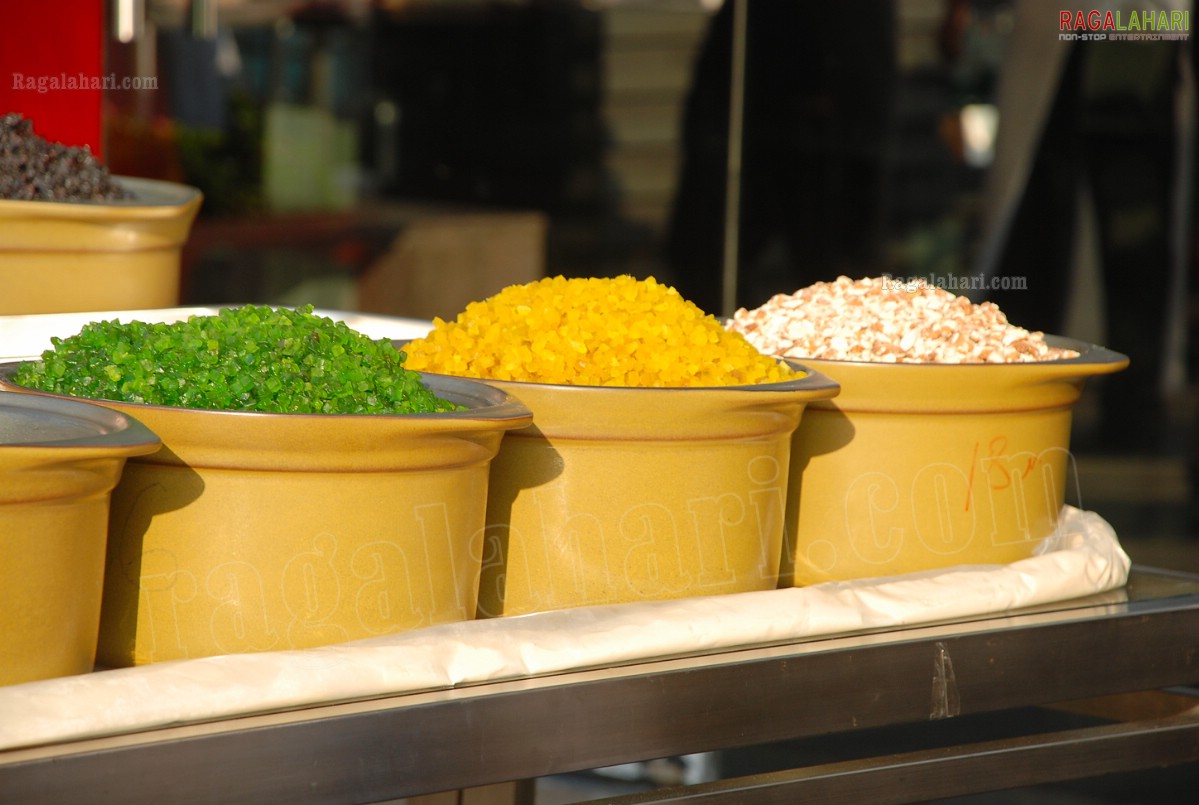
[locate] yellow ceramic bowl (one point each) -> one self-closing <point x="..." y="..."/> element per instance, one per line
<point x="252" y="532"/>
<point x="59" y="461"/>
<point x="59" y="257"/>
<point x="634" y="494"/>
<point x="922" y="466"/>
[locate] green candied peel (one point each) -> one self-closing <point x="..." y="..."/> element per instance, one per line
<point x="250" y="358"/>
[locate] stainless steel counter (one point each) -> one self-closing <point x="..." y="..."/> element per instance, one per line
<point x="1142" y="638"/>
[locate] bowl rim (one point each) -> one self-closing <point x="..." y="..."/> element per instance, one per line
<point x="492" y="403"/>
<point x="148" y="194"/>
<point x="114" y="428"/>
<point x="812" y="380"/>
<point x="1088" y="355"/>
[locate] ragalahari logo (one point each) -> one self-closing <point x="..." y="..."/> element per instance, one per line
<point x="1124" y="24"/>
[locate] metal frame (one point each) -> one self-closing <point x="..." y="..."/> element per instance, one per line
<point x="1143" y="639"/>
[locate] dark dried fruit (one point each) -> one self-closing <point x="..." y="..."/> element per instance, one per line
<point x="35" y="169"/>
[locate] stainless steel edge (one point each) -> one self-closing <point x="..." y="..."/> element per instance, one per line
<point x="401" y="746"/>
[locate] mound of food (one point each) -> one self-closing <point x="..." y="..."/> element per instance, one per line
<point x="251" y="358"/>
<point x="594" y="331"/>
<point x="882" y="320"/>
<point x="35" y="169"/>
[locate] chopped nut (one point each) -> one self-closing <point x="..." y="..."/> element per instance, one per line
<point x="873" y="320"/>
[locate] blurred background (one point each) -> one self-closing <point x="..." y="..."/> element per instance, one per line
<point x="605" y="121"/>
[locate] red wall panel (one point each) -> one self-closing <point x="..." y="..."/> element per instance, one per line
<point x="52" y="67"/>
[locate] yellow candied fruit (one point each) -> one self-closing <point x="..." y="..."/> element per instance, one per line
<point x="617" y="331"/>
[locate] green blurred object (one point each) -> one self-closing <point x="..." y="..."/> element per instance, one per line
<point x="227" y="165"/>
